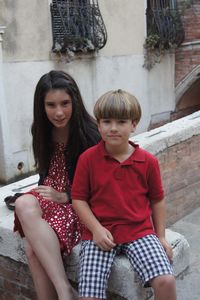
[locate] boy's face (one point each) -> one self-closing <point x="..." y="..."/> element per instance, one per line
<point x="116" y="131"/>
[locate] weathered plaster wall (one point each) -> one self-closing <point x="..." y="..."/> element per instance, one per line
<point x="126" y="26"/>
<point x="28" y="30"/>
<point x="26" y="55"/>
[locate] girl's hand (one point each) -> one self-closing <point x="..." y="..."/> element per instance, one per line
<point x="168" y="248"/>
<point x="103" y="239"/>
<point x="51" y="194"/>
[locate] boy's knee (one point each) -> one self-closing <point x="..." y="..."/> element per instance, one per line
<point x="163" y="281"/>
<point x="89" y="298"/>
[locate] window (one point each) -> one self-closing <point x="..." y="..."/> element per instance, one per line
<point x="77" y="25"/>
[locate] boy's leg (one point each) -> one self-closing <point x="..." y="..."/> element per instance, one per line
<point x="164" y="287"/>
<point x="95" y="270"/>
<point x="150" y="261"/>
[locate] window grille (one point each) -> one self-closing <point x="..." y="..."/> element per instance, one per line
<point x="163" y="19"/>
<point x="77" y="25"/>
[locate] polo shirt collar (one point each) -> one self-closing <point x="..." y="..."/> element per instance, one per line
<point x="137" y="155"/>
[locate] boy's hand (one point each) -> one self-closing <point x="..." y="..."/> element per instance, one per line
<point x="168" y="248"/>
<point x="103" y="239"/>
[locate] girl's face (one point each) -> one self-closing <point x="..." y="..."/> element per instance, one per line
<point x="58" y="108"/>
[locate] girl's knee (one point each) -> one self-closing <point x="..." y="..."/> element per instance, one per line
<point x="25" y="205"/>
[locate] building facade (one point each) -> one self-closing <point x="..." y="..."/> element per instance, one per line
<point x="28" y="49"/>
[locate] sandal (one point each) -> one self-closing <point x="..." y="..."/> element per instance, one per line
<point x="10" y="200"/>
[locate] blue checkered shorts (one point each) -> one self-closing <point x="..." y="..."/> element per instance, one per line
<point x="146" y="256"/>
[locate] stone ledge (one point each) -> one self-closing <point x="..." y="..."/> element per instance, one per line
<point x="122" y="283"/>
<point x="159" y="139"/>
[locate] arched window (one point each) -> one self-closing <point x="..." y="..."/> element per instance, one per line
<point x="77" y="25"/>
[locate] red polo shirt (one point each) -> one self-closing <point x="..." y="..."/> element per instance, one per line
<point x="119" y="194"/>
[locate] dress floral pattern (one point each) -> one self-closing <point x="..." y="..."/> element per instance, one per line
<point x="60" y="216"/>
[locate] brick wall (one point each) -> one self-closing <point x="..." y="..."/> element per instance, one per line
<point x="188" y="57"/>
<point x="15" y="280"/>
<point x="191" y="20"/>
<point x="180" y="165"/>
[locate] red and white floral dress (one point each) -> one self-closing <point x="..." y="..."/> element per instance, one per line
<point x="61" y="217"/>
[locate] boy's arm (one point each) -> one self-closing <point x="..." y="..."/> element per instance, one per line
<point x="101" y="236"/>
<point x="159" y="222"/>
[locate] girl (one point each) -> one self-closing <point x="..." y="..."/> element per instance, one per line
<point x="61" y="130"/>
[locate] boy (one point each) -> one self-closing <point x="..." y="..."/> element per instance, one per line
<point x="117" y="193"/>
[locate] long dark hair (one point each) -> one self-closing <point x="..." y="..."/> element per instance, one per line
<point x="83" y="132"/>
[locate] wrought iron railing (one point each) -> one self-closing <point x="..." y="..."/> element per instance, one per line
<point x="163" y="20"/>
<point x="77" y="25"/>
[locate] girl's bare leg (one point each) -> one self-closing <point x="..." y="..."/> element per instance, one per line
<point x="44" y="243"/>
<point x="43" y="285"/>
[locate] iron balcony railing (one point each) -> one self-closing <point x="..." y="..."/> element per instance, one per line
<point x="77" y="25"/>
<point x="163" y="19"/>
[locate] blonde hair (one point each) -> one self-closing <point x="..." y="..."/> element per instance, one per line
<point x="117" y="104"/>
